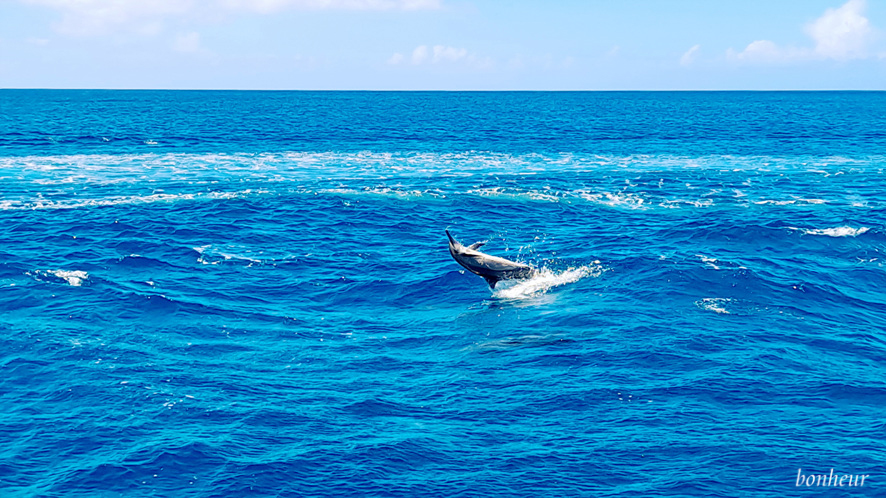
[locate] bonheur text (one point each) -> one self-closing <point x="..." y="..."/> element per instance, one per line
<point x="830" y="479"/>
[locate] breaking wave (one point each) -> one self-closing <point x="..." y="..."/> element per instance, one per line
<point x="543" y="281"/>
<point x="715" y="304"/>
<point x="74" y="278"/>
<point x="122" y="200"/>
<point x="844" y="231"/>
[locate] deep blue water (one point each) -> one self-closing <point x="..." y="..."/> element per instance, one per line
<point x="250" y="293"/>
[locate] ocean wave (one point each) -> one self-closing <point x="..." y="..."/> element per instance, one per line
<point x="619" y="200"/>
<point x="236" y="345"/>
<point x="301" y="165"/>
<point x="636" y="199"/>
<point x="74" y="278"/>
<point x="393" y="192"/>
<point x="42" y="203"/>
<point x="709" y="262"/>
<point x="844" y="231"/>
<point x="712" y="263"/>
<point x="500" y="192"/>
<point x="715" y="304"/>
<point x="210" y="254"/>
<point x="787" y="202"/>
<point x="543" y="281"/>
<point x="777" y="203"/>
<point x="515" y="342"/>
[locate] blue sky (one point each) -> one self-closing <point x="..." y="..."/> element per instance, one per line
<point x="444" y="44"/>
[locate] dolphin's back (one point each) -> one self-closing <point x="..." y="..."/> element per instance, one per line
<point x="496" y="264"/>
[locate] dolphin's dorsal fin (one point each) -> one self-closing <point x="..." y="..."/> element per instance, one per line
<point x="491" y="281"/>
<point x="477" y="245"/>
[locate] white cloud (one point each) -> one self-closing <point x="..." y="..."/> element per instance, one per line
<point x="266" y="6"/>
<point x="95" y="17"/>
<point x="188" y="43"/>
<point x="437" y="54"/>
<point x="839" y="34"/>
<point x="420" y="4"/>
<point x="765" y="51"/>
<point x="450" y="54"/>
<point x="842" y="33"/>
<point x="88" y="17"/>
<point x="419" y="54"/>
<point x="442" y="54"/>
<point x="689" y="56"/>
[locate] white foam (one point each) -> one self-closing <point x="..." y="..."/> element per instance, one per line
<point x="384" y="192"/>
<point x="786" y="202"/>
<point x="420" y="163"/>
<point x="844" y="231"/>
<point x="213" y="255"/>
<point x="543" y="281"/>
<point x="533" y="195"/>
<point x="74" y="278"/>
<point x="704" y="203"/>
<point x="128" y="199"/>
<point x="777" y="203"/>
<point x="715" y="304"/>
<point x="708" y="261"/>
<point x="625" y="200"/>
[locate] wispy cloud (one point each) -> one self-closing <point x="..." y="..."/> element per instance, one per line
<point x="768" y="51"/>
<point x="439" y="54"/>
<point x="420" y="54"/>
<point x="96" y="17"/>
<point x="267" y="6"/>
<point x="689" y="57"/>
<point x="90" y="17"/>
<point x="448" y="54"/>
<point x="839" y="34"/>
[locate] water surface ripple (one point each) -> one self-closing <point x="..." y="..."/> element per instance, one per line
<point x="249" y="293"/>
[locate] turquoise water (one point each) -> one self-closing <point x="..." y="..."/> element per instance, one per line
<point x="250" y="293"/>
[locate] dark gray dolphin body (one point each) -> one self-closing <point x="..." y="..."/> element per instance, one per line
<point x="491" y="268"/>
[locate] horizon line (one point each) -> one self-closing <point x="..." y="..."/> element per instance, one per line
<point x="437" y="90"/>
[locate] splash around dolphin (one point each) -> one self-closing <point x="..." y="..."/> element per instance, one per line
<point x="491" y="268"/>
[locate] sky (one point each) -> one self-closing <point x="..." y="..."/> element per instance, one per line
<point x="444" y="44"/>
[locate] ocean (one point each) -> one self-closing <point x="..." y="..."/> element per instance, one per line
<point x="213" y="293"/>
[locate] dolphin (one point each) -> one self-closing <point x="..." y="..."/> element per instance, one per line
<point x="491" y="268"/>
